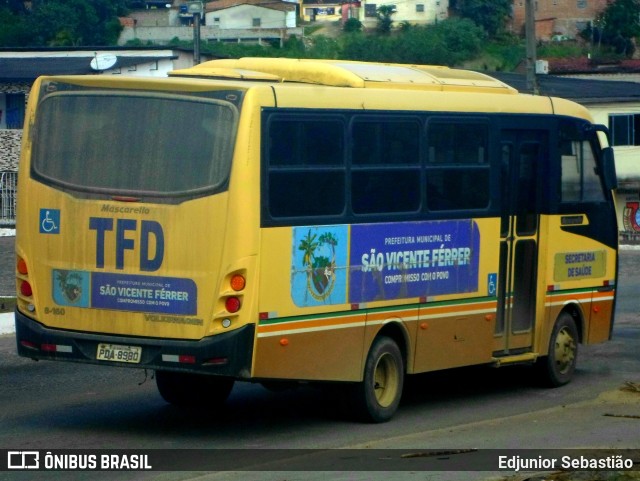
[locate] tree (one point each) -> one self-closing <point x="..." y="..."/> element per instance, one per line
<point x="450" y="42"/>
<point x="14" y="30"/>
<point x="61" y="23"/>
<point x="620" y="24"/>
<point x="384" y="13"/>
<point x="352" y="25"/>
<point x="491" y="15"/>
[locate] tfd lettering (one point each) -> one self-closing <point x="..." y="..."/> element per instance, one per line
<point x="148" y="228"/>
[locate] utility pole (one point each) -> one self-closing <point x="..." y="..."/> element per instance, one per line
<point x="530" y="31"/>
<point x="196" y="9"/>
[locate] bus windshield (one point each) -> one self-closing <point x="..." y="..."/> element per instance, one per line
<point x="137" y="143"/>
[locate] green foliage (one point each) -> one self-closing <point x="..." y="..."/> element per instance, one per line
<point x="491" y="15"/>
<point x="352" y="25"/>
<point x="501" y="55"/>
<point x="622" y="17"/>
<point x="568" y="49"/>
<point x="14" y="30"/>
<point x="618" y="25"/>
<point x="62" y="23"/>
<point x="384" y="13"/>
<point x="323" y="47"/>
<point x="448" y="43"/>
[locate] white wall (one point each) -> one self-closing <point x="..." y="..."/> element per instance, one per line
<point x="151" y="69"/>
<point x="434" y="10"/>
<point x="242" y="16"/>
<point x="627" y="169"/>
<point x="627" y="157"/>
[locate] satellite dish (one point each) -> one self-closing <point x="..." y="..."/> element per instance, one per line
<point x="103" y="61"/>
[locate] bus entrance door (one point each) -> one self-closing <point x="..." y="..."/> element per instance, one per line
<point x="522" y="156"/>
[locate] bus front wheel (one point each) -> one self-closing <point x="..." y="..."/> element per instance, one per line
<point x="193" y="390"/>
<point x="557" y="367"/>
<point x="377" y="397"/>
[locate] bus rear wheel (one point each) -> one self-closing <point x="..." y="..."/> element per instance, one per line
<point x="377" y="397"/>
<point x="558" y="366"/>
<point x="193" y="390"/>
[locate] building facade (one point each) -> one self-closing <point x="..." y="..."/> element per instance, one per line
<point x="557" y="18"/>
<point x="418" y="12"/>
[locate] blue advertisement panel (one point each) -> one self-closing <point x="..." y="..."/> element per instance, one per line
<point x="168" y="295"/>
<point x="319" y="265"/>
<point x="413" y="259"/>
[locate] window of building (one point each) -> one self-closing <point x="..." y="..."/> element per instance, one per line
<point x="582" y="3"/>
<point x="625" y="129"/>
<point x="370" y="10"/>
<point x="420" y="8"/>
<point x="12" y="107"/>
<point x="256" y="22"/>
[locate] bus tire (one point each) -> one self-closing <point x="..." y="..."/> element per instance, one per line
<point x="193" y="390"/>
<point x="377" y="397"/>
<point x="557" y="368"/>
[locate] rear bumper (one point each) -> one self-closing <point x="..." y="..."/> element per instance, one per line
<point x="227" y="354"/>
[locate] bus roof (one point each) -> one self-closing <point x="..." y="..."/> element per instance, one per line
<point x="344" y="73"/>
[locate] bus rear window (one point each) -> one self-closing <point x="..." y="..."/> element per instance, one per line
<point x="142" y="143"/>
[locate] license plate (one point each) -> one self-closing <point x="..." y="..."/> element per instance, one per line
<point x="118" y="353"/>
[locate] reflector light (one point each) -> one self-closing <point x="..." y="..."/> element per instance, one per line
<point x="216" y="361"/>
<point x="186" y="359"/>
<point x="25" y="289"/>
<point x="29" y="345"/>
<point x="124" y="198"/>
<point x="232" y="304"/>
<point x="55" y="348"/>
<point x="238" y="282"/>
<point x="22" y="266"/>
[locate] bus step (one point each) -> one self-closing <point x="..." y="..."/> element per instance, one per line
<point x="526" y="358"/>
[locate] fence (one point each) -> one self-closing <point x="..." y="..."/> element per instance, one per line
<point x="8" y="184"/>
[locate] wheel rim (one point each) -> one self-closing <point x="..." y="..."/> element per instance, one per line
<point x="386" y="378"/>
<point x="565" y="352"/>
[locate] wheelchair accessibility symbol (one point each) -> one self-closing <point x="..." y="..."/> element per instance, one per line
<point x="492" y="282"/>
<point x="49" y="221"/>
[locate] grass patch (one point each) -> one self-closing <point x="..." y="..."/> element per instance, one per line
<point x="7" y="304"/>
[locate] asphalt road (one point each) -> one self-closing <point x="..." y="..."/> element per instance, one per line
<point x="48" y="405"/>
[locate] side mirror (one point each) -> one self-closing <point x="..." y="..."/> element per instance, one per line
<point x="609" y="169"/>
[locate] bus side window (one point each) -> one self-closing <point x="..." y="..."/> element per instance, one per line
<point x="580" y="180"/>
<point x="385" y="165"/>
<point x="458" y="175"/>
<point x="305" y="167"/>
